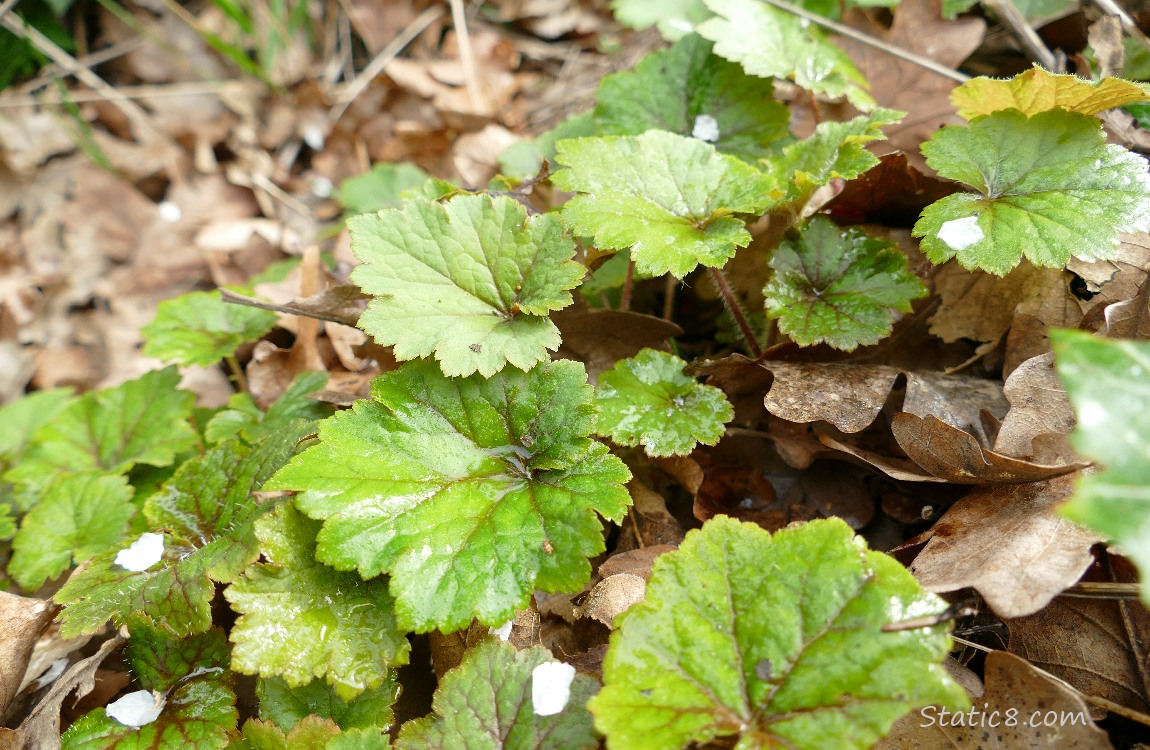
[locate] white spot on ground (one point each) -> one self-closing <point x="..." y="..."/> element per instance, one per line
<point x="503" y="632"/>
<point x="314" y="136"/>
<point x="137" y="709"/>
<point x="322" y="187"/>
<point x="551" y="687"/>
<point x="706" y="129"/>
<point x="960" y="234"/>
<point x="170" y="212"/>
<point x="142" y="554"/>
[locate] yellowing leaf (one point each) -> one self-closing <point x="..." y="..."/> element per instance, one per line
<point x="1039" y="90"/>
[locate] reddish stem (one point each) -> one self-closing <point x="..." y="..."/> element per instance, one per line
<point x="736" y="310"/>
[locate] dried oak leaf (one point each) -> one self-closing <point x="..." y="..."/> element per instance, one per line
<point x="21" y="620"/>
<point x="599" y="338"/>
<point x="1039" y="406"/>
<point x="1008" y="543"/>
<point x="892" y="194"/>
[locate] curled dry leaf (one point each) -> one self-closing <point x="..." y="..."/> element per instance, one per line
<point x="21" y="620"/>
<point x="599" y="338"/>
<point x="1008" y="543"/>
<point x="1013" y="689"/>
<point x="1038" y="406"/>
<point x="612" y="596"/>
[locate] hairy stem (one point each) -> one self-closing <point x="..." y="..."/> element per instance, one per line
<point x="736" y="311"/>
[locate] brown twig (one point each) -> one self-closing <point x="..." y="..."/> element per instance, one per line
<point x="628" y="280"/>
<point x="1012" y="17"/>
<point x="736" y="311"/>
<point x="467" y="57"/>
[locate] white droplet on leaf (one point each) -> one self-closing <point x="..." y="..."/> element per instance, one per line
<point x="960" y="234"/>
<point x="706" y="129"/>
<point x="551" y="687"/>
<point x="503" y="632"/>
<point x="170" y="212"/>
<point x="142" y="554"/>
<point x="137" y="709"/>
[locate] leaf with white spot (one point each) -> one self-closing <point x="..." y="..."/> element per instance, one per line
<point x="551" y="687"/>
<point x="486" y="703"/>
<point x="141" y="554"/>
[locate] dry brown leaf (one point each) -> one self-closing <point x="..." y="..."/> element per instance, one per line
<point x="21" y="620"/>
<point x="1008" y="543"/>
<point x="30" y="136"/>
<point x="841" y="491"/>
<point x="895" y="468"/>
<point x="1013" y="688"/>
<point x="636" y="562"/>
<point x="613" y="596"/>
<point x="902" y="85"/>
<point x="649" y="523"/>
<point x="1038" y="406"/>
<point x="600" y="338"/>
<point x="893" y="194"/>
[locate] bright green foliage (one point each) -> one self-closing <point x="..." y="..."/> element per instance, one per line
<point x="300" y="619"/>
<point x="675" y="18"/>
<point x="775" y="44"/>
<point x="689" y="91"/>
<point x="80" y="515"/>
<point x="199" y="328"/>
<point x="486" y="704"/>
<point x="834" y="150"/>
<point x="838" y="286"/>
<point x="525" y="159"/>
<point x="647" y="400"/>
<point x="1109" y="384"/>
<point x="143" y="421"/>
<point x="777" y="638"/>
<point x="667" y="197"/>
<point x="287" y="706"/>
<point x="1048" y="188"/>
<point x="242" y="417"/>
<point x="207" y="511"/>
<point x="470" y="281"/>
<point x="471" y="493"/>
<point x="7" y="522"/>
<point x="192" y="677"/>
<point x="21" y="419"/>
<point x="312" y="733"/>
<point x="380" y="188"/>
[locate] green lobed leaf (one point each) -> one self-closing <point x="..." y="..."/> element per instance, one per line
<point x="470" y="492"/>
<point x="647" y="400"/>
<point x="777" y="638"/>
<point x="380" y="188"/>
<point x="199" y="328"/>
<point x="208" y="513"/>
<point x="312" y="733"/>
<point x="191" y="676"/>
<point x="667" y="197"/>
<point x="840" y="287"/>
<point x="143" y="421"/>
<point x="525" y="159"/>
<point x="689" y="91"/>
<point x="300" y="619"/>
<point x="486" y="704"/>
<point x="24" y="416"/>
<point x="80" y="515"/>
<point x="1108" y="382"/>
<point x="1048" y="188"/>
<point x="7" y="522"/>
<point x="287" y="706"/>
<point x="242" y="417"/>
<point x="674" y="18"/>
<point x="470" y="281"/>
<point x="772" y="43"/>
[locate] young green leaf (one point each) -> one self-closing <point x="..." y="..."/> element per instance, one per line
<point x="23" y="417"/>
<point x="380" y="188"/>
<point x="199" y="328"/>
<point x="143" y="421"/>
<point x="242" y="417"/>
<point x="689" y="91"/>
<point x="839" y="287"/>
<point x="667" y="197"/>
<point x="772" y="43"/>
<point x="208" y="512"/>
<point x="777" y="638"/>
<point x="471" y="493"/>
<point x="287" y="706"/>
<point x="489" y="702"/>
<point x="300" y="619"/>
<point x="7" y="522"/>
<point x="187" y="681"/>
<point x="80" y="515"/>
<point x="674" y="18"/>
<point x="312" y="733"/>
<point x="834" y="150"/>
<point x="647" y="400"/>
<point x="1038" y="90"/>
<point x="525" y="159"/>
<point x="1048" y="187"/>
<point x="1109" y="384"/>
<point x="470" y="281"/>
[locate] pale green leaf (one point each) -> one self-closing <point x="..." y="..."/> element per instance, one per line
<point x="1109" y="384"/>
<point x="1048" y="188"/>
<point x="671" y="199"/>
<point x="287" y="705"/>
<point x="7" y="522"/>
<point x="24" y="416"/>
<point x="80" y="515"/>
<point x="838" y="286"/>
<point x="380" y="188"/>
<point x="300" y="619"/>
<point x="772" y="43"/>
<point x="647" y="400"/>
<point x="674" y="18"/>
<point x="199" y="328"/>
<point x="470" y="281"/>
<point x="242" y="417"/>
<point x="471" y="493"/>
<point x="486" y="704"/>
<point x="777" y="638"/>
<point x="689" y="91"/>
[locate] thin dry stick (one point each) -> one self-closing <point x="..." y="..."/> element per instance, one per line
<point x="858" y="36"/>
<point x="625" y="300"/>
<point x="467" y="56"/>
<point x="128" y="92"/>
<point x="1114" y="9"/>
<point x="6" y="6"/>
<point x="736" y="309"/>
<point x="356" y="87"/>
<point x="1010" y="15"/>
<point x="669" y="285"/>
